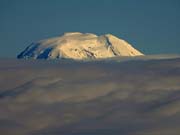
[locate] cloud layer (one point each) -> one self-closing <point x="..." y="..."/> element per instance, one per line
<point x="107" y="97"/>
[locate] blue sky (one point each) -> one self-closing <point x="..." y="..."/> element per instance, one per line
<point x="151" y="26"/>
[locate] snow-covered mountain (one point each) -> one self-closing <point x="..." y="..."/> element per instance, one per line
<point x="79" y="46"/>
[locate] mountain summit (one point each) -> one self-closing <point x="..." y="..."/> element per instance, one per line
<point x="79" y="46"/>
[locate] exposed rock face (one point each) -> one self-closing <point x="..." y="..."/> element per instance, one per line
<point x="79" y="46"/>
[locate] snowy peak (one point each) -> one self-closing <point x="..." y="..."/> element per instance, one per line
<point x="76" y="45"/>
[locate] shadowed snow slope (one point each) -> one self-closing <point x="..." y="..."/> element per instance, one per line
<point x="79" y="46"/>
<point x="134" y="97"/>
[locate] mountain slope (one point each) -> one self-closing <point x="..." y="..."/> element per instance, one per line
<point x="79" y="46"/>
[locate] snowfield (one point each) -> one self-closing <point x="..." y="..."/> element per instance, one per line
<point x="79" y="46"/>
<point x="132" y="96"/>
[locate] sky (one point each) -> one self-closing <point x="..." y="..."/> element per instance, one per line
<point x="151" y="26"/>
